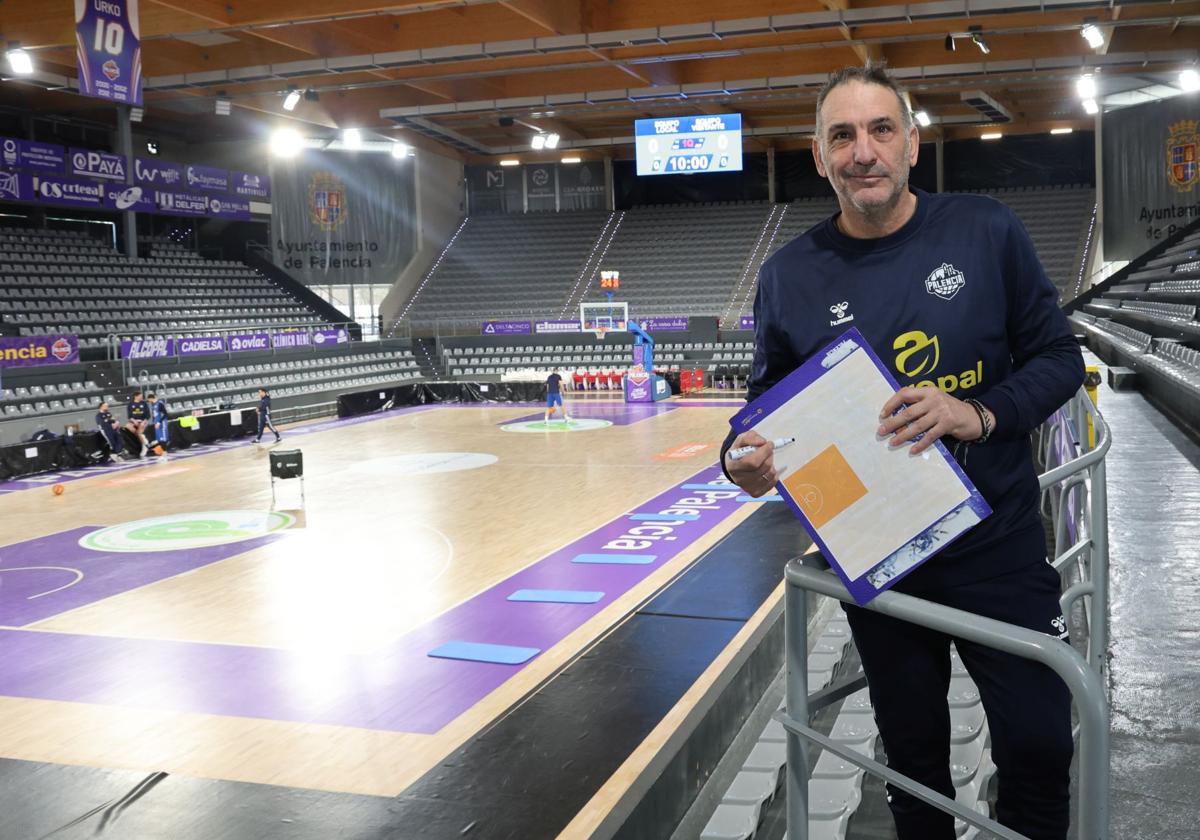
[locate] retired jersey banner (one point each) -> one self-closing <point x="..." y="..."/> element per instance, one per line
<point x="339" y="217"/>
<point x="1152" y="185"/>
<point x="108" y="50"/>
<point x="32" y="350"/>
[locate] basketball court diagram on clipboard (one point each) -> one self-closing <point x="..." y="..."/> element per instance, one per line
<point x="876" y="512"/>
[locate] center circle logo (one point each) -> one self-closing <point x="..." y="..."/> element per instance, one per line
<point x="534" y="427"/>
<point x="185" y="531"/>
<point x="423" y="463"/>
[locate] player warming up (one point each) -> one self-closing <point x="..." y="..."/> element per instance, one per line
<point x="554" y="400"/>
<point x="264" y="416"/>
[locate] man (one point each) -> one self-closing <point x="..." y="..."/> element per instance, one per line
<point x="159" y="419"/>
<point x="949" y="292"/>
<point x="109" y="427"/>
<point x="264" y="416"/>
<point x="138" y="417"/>
<point x="554" y="396"/>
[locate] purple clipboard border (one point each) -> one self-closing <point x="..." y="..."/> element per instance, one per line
<point x="802" y="377"/>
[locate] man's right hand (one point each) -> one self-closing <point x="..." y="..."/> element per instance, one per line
<point x="755" y="473"/>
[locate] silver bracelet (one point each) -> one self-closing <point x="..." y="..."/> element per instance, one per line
<point x="984" y="423"/>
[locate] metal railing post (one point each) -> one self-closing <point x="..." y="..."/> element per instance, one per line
<point x="795" y="621"/>
<point x="1098" y="637"/>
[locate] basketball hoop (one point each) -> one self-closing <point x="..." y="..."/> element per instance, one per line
<point x="600" y="332"/>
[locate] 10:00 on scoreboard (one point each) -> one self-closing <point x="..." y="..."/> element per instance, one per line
<point x="672" y="145"/>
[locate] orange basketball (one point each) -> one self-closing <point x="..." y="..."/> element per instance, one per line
<point x="58" y="489"/>
<point x="158" y="450"/>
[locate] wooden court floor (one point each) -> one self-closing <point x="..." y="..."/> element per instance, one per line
<point x="166" y="617"/>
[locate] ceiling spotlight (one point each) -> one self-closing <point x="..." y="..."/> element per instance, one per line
<point x="977" y="40"/>
<point x="285" y="142"/>
<point x="510" y="162"/>
<point x="551" y="141"/>
<point x="19" y="61"/>
<point x="1094" y="37"/>
<point x="152" y="147"/>
<point x="223" y="106"/>
<point x="922" y="117"/>
<point x="539" y="142"/>
<point x="1189" y="80"/>
<point x="572" y="159"/>
<point x="1090" y="107"/>
<point x="399" y="150"/>
<point x="1061" y="130"/>
<point x="995" y="135"/>
<point x="949" y="43"/>
<point x="291" y="99"/>
<point x="1086" y="87"/>
<point x="352" y="138"/>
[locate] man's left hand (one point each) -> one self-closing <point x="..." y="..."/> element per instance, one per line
<point x="930" y="412"/>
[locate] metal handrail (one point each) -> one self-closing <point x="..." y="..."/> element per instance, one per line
<point x="1085" y="676"/>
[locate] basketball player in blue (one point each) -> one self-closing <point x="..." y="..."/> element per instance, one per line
<point x="264" y="415"/>
<point x="110" y="428"/>
<point x="554" y="397"/>
<point x="159" y="419"/>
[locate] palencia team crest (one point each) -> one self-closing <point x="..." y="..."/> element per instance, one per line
<point x="1183" y="170"/>
<point x="945" y="281"/>
<point x="326" y="201"/>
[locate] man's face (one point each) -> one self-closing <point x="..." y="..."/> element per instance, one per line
<point x="137" y="397"/>
<point x="863" y="149"/>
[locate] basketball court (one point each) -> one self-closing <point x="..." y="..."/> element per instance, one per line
<point x="447" y="561"/>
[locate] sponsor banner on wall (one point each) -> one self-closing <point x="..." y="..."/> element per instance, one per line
<point x="16" y="186"/>
<point x="581" y="186"/>
<point x="285" y="340"/>
<point x="245" y="342"/>
<point x="556" y="326"/>
<point x="121" y="197"/>
<point x="250" y="186"/>
<point x="506" y="328"/>
<point x="24" y="154"/>
<point x="223" y="207"/>
<point x="1151" y="189"/>
<point x="671" y="324"/>
<point x="199" y="345"/>
<point x="108" y="50"/>
<point x="147" y="348"/>
<point x="69" y="192"/>
<point x="330" y="336"/>
<point x="206" y="178"/>
<point x="746" y="322"/>
<point x="157" y="173"/>
<point x="181" y="204"/>
<point x="34" y="350"/>
<point x="94" y="164"/>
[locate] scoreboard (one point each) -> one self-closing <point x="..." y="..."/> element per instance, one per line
<point x="677" y="145"/>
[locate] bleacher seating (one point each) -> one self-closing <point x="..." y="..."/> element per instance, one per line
<point x="48" y="399"/>
<point x="836" y="786"/>
<point x="1058" y="220"/>
<point x="509" y="266"/>
<point x="682" y="259"/>
<point x="185" y="390"/>
<point x="55" y="281"/>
